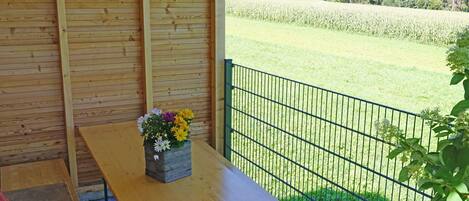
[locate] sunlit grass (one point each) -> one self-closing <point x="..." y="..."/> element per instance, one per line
<point x="402" y="74"/>
<point x="429" y="26"/>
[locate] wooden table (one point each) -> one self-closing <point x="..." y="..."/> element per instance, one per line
<point x="35" y="174"/>
<point x="118" y="150"/>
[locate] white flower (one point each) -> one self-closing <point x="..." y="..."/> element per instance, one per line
<point x="140" y="122"/>
<point x="145" y="117"/>
<point x="161" y="145"/>
<point x="156" y="111"/>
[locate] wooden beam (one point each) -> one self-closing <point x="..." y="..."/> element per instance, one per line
<point x="147" y="56"/>
<point x="67" y="90"/>
<point x="218" y="71"/>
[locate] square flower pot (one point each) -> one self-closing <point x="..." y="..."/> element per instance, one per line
<point x="169" y="165"/>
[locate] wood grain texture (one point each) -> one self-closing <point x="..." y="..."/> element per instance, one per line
<point x="67" y="90"/>
<point x="32" y="125"/>
<point x="147" y="57"/>
<point x="217" y="86"/>
<point x="181" y="58"/>
<point x="120" y="155"/>
<point x="108" y="71"/>
<point x="35" y="174"/>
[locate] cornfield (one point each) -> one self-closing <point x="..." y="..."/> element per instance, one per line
<point x="427" y="26"/>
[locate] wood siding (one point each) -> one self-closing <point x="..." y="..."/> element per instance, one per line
<point x="181" y="51"/>
<point x="32" y="122"/>
<point x="105" y="40"/>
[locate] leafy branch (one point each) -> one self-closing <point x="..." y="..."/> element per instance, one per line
<point x="446" y="169"/>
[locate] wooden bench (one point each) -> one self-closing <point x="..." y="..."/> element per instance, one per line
<point x="36" y="174"/>
<point x="118" y="150"/>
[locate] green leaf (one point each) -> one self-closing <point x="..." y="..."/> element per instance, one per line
<point x="404" y="174"/>
<point x="425" y="184"/>
<point x="443" y="173"/>
<point x="458" y="77"/>
<point x="462" y="188"/>
<point x="434" y="157"/>
<point x="460" y="107"/>
<point x="412" y="141"/>
<point x="395" y="152"/>
<point x="448" y="157"/>
<point x="463" y="159"/>
<point x="440" y="128"/>
<point x="417" y="155"/>
<point x="443" y="134"/>
<point x="453" y="196"/>
<point x="442" y="144"/>
<point x="466" y="89"/>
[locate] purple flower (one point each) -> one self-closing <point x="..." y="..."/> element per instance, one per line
<point x="169" y="116"/>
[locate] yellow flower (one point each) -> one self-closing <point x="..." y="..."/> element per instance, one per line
<point x="184" y="126"/>
<point x="186" y="113"/>
<point x="179" y="120"/>
<point x="180" y="135"/>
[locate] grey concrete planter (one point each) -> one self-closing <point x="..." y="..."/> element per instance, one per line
<point x="170" y="165"/>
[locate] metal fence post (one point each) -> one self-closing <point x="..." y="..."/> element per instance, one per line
<point x="228" y="102"/>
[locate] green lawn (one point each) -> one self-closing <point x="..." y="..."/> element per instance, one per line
<point x="402" y="74"/>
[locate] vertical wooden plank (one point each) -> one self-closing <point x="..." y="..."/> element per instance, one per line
<point x="147" y="57"/>
<point x="218" y="71"/>
<point x="67" y="90"/>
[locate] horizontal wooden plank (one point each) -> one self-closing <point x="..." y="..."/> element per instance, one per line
<point x="203" y="4"/>
<point x="11" y="24"/>
<point x="27" y="18"/>
<point x="178" y="1"/>
<point x="117" y="44"/>
<point x="109" y="22"/>
<point x="30" y="54"/>
<point x="12" y="134"/>
<point x="53" y="153"/>
<point x="102" y="28"/>
<point x="4" y="5"/>
<point x="100" y="4"/>
<point x="20" y="48"/>
<point x="104" y="61"/>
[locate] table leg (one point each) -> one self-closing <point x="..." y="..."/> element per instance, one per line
<point x="106" y="197"/>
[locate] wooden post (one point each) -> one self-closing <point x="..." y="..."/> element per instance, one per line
<point x="147" y="62"/>
<point x="218" y="72"/>
<point x="67" y="90"/>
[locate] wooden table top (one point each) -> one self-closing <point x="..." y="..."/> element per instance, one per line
<point x="118" y="150"/>
<point x="35" y="174"/>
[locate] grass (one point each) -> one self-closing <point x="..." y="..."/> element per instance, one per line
<point x="398" y="73"/>
<point x="428" y="26"/>
<point x="302" y="135"/>
<point x="331" y="195"/>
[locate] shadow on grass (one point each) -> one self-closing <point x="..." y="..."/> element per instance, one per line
<point x="325" y="194"/>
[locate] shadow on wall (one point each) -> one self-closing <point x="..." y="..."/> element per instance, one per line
<point x="324" y="194"/>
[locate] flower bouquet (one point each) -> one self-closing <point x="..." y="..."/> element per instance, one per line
<point x="167" y="145"/>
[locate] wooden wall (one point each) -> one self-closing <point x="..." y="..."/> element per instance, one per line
<point x="106" y="57"/>
<point x="31" y="103"/>
<point x="180" y="54"/>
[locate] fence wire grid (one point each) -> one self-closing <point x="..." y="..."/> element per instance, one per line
<point x="302" y="142"/>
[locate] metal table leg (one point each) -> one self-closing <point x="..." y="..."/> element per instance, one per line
<point x="106" y="197"/>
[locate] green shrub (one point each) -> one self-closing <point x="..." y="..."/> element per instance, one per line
<point x="446" y="169"/>
<point x="428" y="26"/>
<point x="435" y="4"/>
